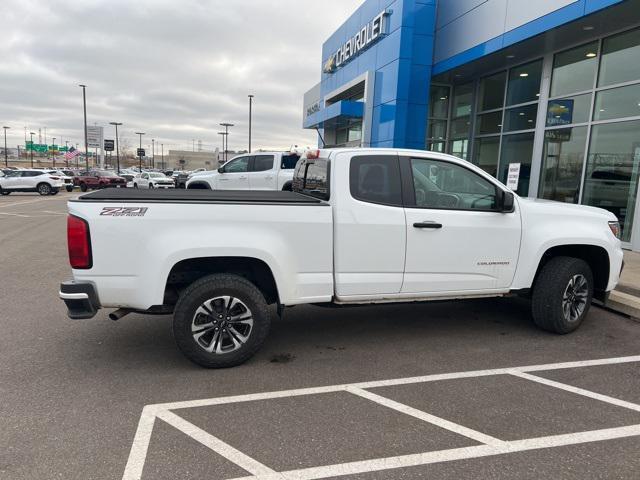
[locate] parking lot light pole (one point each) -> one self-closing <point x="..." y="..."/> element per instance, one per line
<point x="32" y="134"/>
<point x="226" y="126"/>
<point x="140" y="156"/>
<point x="6" y="156"/>
<point x="162" y="157"/>
<point x="250" y="115"/>
<point x="153" y="153"/>
<point x="224" y="135"/>
<point x="53" y="154"/>
<point x="86" y="135"/>
<point x="115" y="124"/>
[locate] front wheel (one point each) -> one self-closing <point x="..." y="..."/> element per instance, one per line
<point x="4" y="192"/>
<point x="83" y="187"/>
<point x="151" y="186"/>
<point x="562" y="295"/>
<point x="69" y="189"/>
<point x="221" y="321"/>
<point x="44" y="189"/>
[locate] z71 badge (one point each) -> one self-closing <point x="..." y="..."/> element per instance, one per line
<point x="123" y="211"/>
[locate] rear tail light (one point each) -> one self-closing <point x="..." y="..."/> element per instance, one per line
<point x="54" y="178"/>
<point x="79" y="242"/>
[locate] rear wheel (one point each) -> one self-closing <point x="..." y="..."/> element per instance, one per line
<point x="54" y="191"/>
<point x="69" y="189"/>
<point x="562" y="295"/>
<point x="4" y="192"/>
<point x="135" y="185"/>
<point x="221" y="321"/>
<point x="151" y="185"/>
<point x="44" y="189"/>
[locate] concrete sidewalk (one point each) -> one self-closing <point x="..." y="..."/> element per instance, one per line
<point x="626" y="298"/>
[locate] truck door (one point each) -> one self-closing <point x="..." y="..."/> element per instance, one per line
<point x="369" y="226"/>
<point x="234" y="175"/>
<point x="457" y="241"/>
<point x="262" y="173"/>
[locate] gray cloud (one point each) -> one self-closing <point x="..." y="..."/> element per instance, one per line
<point x="174" y="69"/>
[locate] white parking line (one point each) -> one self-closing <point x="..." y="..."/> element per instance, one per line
<point x="27" y="202"/>
<point x="427" y="417"/>
<point x="440" y="456"/>
<point x="490" y="445"/>
<point x="578" y="391"/>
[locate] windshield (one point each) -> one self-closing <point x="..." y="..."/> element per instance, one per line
<point x="156" y="175"/>
<point x="105" y="173"/>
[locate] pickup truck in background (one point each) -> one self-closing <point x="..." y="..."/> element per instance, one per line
<point x="257" y="171"/>
<point x="98" y="179"/>
<point x="361" y="226"/>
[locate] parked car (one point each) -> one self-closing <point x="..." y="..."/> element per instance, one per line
<point x="29" y="180"/>
<point x="260" y="171"/>
<point x="97" y="179"/>
<point x="67" y="179"/>
<point x="362" y="226"/>
<point x="153" y="180"/>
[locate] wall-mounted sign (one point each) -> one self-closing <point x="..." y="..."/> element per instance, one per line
<point x="366" y="36"/>
<point x="95" y="136"/>
<point x="315" y="108"/>
<point x="108" y="145"/>
<point x="560" y="112"/>
<point x="513" y="177"/>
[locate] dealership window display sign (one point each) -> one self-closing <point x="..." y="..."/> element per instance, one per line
<point x="513" y="176"/>
<point x="366" y="36"/>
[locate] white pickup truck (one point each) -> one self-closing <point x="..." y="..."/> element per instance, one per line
<point x="361" y="226"/>
<point x="256" y="171"/>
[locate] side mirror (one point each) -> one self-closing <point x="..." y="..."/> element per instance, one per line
<point x="507" y="202"/>
<point x="221" y="170"/>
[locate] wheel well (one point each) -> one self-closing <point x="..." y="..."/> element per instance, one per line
<point x="199" y="186"/>
<point x="186" y="272"/>
<point x="288" y="186"/>
<point x="44" y="183"/>
<point x="596" y="257"/>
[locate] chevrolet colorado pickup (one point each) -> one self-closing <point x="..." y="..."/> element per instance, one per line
<point x="361" y="226"/>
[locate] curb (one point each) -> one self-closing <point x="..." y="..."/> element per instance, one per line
<point x="624" y="303"/>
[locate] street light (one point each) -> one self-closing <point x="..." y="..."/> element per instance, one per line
<point x="140" y="151"/>
<point x="117" y="146"/>
<point x="250" y="115"/>
<point x="6" y="156"/>
<point x="153" y="153"/>
<point x="32" y="134"/>
<point x="162" y="148"/>
<point x="53" y="155"/>
<point x="86" y="135"/>
<point x="226" y="136"/>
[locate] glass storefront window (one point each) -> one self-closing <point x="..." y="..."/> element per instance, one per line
<point x="620" y="55"/>
<point x="574" y="70"/>
<point x="492" y="91"/>
<point x="439" y="102"/>
<point x="524" y="83"/>
<point x="486" y="152"/>
<point x="521" y="118"/>
<point x="517" y="149"/>
<point x="562" y="162"/>
<point x="435" y="146"/>
<point x="459" y="148"/>
<point x="489" y="123"/>
<point x="462" y="98"/>
<point x="612" y="171"/>
<point x="460" y="127"/>
<point x="617" y="103"/>
<point x="566" y="111"/>
<point x="437" y="129"/>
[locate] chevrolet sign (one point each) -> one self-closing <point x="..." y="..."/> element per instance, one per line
<point x="369" y="34"/>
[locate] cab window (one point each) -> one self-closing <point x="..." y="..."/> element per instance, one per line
<point x="262" y="163"/>
<point x="239" y="165"/>
<point x="376" y="179"/>
<point x="443" y="185"/>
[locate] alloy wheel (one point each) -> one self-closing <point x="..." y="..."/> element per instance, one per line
<point x="574" y="300"/>
<point x="222" y="325"/>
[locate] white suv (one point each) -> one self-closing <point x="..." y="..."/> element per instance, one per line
<point x="153" y="180"/>
<point x="30" y="181"/>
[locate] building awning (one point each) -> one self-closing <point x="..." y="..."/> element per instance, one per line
<point x="336" y="114"/>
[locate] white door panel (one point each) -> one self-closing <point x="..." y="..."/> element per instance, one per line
<point x="263" y="173"/>
<point x="472" y="251"/>
<point x="234" y="175"/>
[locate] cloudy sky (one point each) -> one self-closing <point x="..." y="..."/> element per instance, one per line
<point x="174" y="69"/>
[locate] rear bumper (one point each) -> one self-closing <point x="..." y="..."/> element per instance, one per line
<point x="81" y="299"/>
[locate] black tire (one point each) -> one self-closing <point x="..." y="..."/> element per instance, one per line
<point x="552" y="293"/>
<point x="83" y="187"/>
<point x="69" y="189"/>
<point x="44" y="189"/>
<point x="213" y="287"/>
<point x="135" y="185"/>
<point x="287" y="187"/>
<point x="55" y="191"/>
<point x="4" y="192"/>
<point x="151" y="187"/>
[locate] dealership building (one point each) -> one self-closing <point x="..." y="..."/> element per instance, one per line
<point x="547" y="88"/>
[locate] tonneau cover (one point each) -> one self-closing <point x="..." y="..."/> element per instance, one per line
<point x="132" y="195"/>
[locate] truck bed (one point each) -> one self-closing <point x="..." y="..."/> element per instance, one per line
<point x="254" y="197"/>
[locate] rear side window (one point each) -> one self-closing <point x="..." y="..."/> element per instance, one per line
<point x="312" y="178"/>
<point x="262" y="163"/>
<point x="289" y="161"/>
<point x="376" y="179"/>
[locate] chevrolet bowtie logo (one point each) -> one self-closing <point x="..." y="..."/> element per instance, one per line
<point x="330" y="65"/>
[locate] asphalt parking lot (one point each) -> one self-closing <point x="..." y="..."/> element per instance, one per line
<point x="450" y="390"/>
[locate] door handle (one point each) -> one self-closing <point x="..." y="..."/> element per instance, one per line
<point x="243" y="178"/>
<point x="432" y="225"/>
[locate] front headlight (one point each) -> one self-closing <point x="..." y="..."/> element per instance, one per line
<point x="615" y="229"/>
